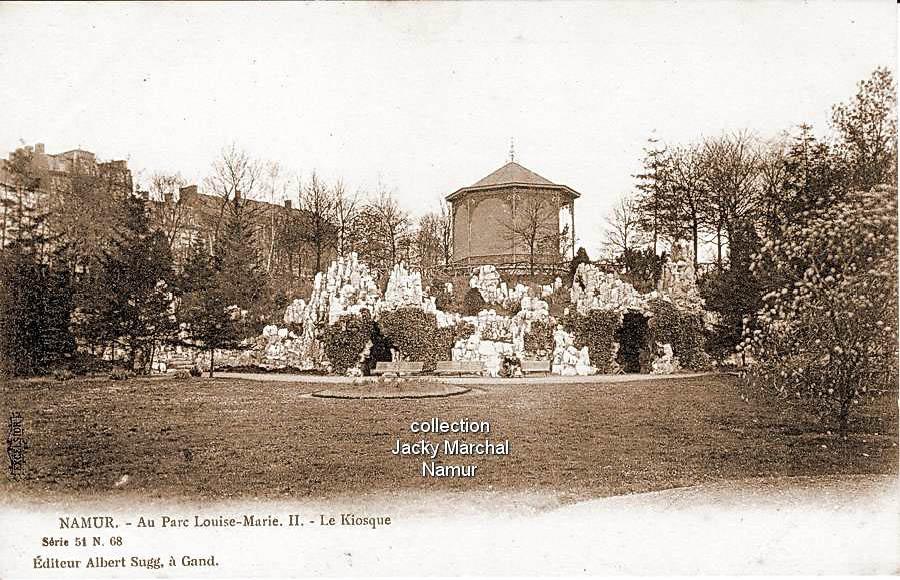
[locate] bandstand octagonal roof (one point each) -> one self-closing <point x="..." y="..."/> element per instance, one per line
<point x="512" y="174"/>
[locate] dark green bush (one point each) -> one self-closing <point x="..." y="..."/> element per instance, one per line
<point x="540" y="337"/>
<point x="685" y="331"/>
<point x="345" y="340"/>
<point x="643" y="268"/>
<point x="416" y="335"/>
<point x="473" y="303"/>
<point x="437" y="287"/>
<point x="462" y="331"/>
<point x="443" y="300"/>
<point x="597" y="331"/>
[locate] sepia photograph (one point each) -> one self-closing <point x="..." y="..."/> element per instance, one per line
<point x="435" y="288"/>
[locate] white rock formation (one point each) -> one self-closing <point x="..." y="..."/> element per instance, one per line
<point x="593" y="289"/>
<point x="404" y="289"/>
<point x="664" y="361"/>
<point x="678" y="280"/>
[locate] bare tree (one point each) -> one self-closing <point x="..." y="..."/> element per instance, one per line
<point x="428" y="241"/>
<point x="318" y="201"/>
<point x="686" y="205"/>
<point x="390" y="226"/>
<point x="623" y="231"/>
<point x="171" y="216"/>
<point x="445" y="231"/>
<point x="274" y="185"/>
<point x="234" y="179"/>
<point x="732" y="163"/>
<point x="773" y="174"/>
<point x="532" y="227"/>
<point x="346" y="214"/>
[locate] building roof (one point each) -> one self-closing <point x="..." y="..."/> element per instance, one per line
<point x="513" y="174"/>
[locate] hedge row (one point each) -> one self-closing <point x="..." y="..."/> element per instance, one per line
<point x="411" y="331"/>
<point x="597" y="331"/>
<point x="415" y="334"/>
<point x="685" y="331"/>
<point x="345" y="340"/>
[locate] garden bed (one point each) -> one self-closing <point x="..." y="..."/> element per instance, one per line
<point x="394" y="389"/>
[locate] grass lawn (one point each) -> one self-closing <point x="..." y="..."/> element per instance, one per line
<point x="221" y="438"/>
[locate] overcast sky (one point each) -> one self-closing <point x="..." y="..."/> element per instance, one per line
<point x="425" y="97"/>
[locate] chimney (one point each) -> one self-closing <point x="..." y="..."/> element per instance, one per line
<point x="287" y="204"/>
<point x="39" y="148"/>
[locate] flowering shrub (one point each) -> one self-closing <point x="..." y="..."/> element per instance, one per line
<point x="597" y="331"/>
<point x="827" y="331"/>
<point x="683" y="330"/>
<point x="345" y="340"/>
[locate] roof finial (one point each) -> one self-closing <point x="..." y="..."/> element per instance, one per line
<point x="512" y="149"/>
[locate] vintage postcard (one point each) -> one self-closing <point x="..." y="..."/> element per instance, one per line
<point x="448" y="289"/>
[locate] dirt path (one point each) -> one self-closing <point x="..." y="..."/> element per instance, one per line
<point x="549" y="380"/>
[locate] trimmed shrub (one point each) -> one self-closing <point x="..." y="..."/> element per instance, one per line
<point x="683" y="330"/>
<point x="473" y="303"/>
<point x="415" y="333"/>
<point x="540" y="337"/>
<point x="345" y="340"/>
<point x="597" y="331"/>
<point x="462" y="330"/>
<point x="443" y="300"/>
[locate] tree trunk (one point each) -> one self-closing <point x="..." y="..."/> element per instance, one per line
<point x="844" y="418"/>
<point x="318" y="255"/>
<point x="719" y="246"/>
<point x="531" y="258"/>
<point x="212" y="354"/>
<point x="695" y="235"/>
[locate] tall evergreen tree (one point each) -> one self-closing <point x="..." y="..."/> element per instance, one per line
<point x="204" y="305"/>
<point x="137" y="291"/>
<point x="238" y="262"/>
<point x="35" y="287"/>
<point x="652" y="184"/>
